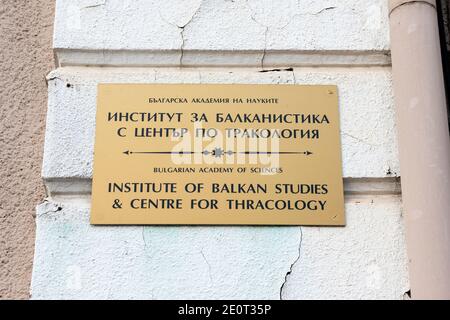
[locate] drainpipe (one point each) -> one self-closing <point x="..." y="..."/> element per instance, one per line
<point x="424" y="144"/>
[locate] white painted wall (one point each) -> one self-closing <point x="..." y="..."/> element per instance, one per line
<point x="218" y="41"/>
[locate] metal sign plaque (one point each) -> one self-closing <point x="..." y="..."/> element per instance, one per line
<point x="217" y="155"/>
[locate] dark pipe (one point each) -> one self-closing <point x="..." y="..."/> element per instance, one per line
<point x="444" y="53"/>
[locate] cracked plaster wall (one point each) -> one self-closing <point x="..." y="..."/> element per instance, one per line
<point x="222" y="41"/>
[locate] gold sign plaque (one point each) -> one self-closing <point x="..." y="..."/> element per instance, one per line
<point x="217" y="155"/>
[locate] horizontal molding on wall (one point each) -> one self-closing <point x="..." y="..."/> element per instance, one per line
<point x="218" y="58"/>
<point x="352" y="186"/>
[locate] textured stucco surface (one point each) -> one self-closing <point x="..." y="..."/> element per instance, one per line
<point x="365" y="260"/>
<point x="25" y="58"/>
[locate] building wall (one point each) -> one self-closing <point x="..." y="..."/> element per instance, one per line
<point x="343" y="42"/>
<point x="25" y="58"/>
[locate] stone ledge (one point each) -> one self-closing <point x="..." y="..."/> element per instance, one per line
<point x="208" y="58"/>
<point x="63" y="187"/>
